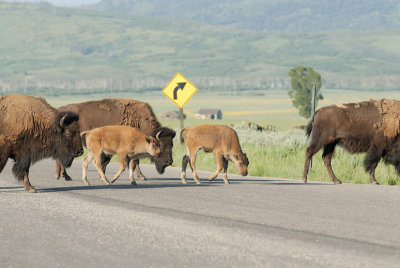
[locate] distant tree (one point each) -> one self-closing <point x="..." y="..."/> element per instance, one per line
<point x="303" y="80"/>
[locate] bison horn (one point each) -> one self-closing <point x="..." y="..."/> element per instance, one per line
<point x="62" y="121"/>
<point x="158" y="134"/>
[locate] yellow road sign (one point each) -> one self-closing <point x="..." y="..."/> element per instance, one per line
<point x="179" y="90"/>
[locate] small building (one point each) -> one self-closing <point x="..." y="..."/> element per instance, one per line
<point x="213" y="114"/>
<point x="172" y="115"/>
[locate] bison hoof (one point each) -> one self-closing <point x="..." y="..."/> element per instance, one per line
<point x="31" y="190"/>
<point x="133" y="183"/>
<point x="67" y="178"/>
<point x="305" y="180"/>
<point x="337" y="182"/>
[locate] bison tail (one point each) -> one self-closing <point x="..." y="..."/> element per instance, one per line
<point x="83" y="138"/>
<point x="181" y="138"/>
<point x="309" y="128"/>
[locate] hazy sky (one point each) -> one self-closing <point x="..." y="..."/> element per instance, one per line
<point x="61" y="2"/>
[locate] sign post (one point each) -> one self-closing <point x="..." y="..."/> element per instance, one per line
<point x="179" y="90"/>
<point x="313" y="102"/>
<point x="181" y="117"/>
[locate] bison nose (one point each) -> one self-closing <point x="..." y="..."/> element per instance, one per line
<point x="79" y="152"/>
<point x="168" y="162"/>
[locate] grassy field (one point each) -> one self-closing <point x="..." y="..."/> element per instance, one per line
<point x="273" y="154"/>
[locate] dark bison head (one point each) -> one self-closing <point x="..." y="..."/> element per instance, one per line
<point x="165" y="137"/>
<point x="67" y="142"/>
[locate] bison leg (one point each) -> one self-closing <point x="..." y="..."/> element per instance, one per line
<point x="219" y="166"/>
<point x="372" y="174"/>
<point x="138" y="171"/>
<point x="21" y="171"/>
<point x="312" y="149"/>
<point x="122" y="167"/>
<point x="61" y="171"/>
<point x="193" y="166"/>
<point x="105" y="160"/>
<point x="3" y="159"/>
<point x="131" y="166"/>
<point x="64" y="174"/>
<point x="225" y="165"/>
<point x="97" y="164"/>
<point x="371" y="162"/>
<point x="85" y="163"/>
<point x="185" y="161"/>
<point x="28" y="187"/>
<point x="327" y="157"/>
<point x="58" y="169"/>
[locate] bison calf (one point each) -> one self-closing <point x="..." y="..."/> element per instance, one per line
<point x="222" y="141"/>
<point x="124" y="141"/>
<point x="370" y="126"/>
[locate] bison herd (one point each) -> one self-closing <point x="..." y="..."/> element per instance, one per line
<point x="30" y="130"/>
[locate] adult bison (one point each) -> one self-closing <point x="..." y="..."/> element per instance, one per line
<point x="370" y="127"/>
<point x="128" y="112"/>
<point x="30" y="130"/>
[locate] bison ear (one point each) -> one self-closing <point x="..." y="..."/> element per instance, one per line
<point x="147" y="139"/>
<point x="67" y="118"/>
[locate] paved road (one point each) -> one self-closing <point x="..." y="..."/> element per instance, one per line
<point x="253" y="222"/>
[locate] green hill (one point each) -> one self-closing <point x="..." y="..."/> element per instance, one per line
<point x="44" y="48"/>
<point x="269" y="15"/>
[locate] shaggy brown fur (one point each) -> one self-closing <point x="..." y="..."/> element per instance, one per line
<point x="30" y="130"/>
<point x="124" y="141"/>
<point x="222" y="141"/>
<point x="128" y="112"/>
<point x="369" y="126"/>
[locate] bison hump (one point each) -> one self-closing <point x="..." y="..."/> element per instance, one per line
<point x="25" y="114"/>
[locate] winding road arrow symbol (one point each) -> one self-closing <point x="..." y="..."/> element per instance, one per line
<point x="179" y="86"/>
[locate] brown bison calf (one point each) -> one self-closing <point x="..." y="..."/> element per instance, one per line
<point x="124" y="141"/>
<point x="222" y="141"/>
<point x="370" y="126"/>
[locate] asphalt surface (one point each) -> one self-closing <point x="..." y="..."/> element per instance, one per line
<point x="253" y="222"/>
